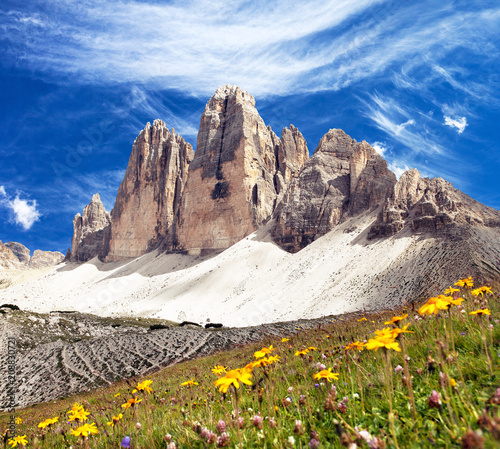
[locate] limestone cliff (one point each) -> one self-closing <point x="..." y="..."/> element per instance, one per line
<point x="239" y="169"/>
<point x="431" y="205"/>
<point x="90" y="230"/>
<point x="150" y="193"/>
<point x="15" y="256"/>
<point x="343" y="178"/>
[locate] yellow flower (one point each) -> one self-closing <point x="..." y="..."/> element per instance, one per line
<point x="78" y="413"/>
<point x="131" y="402"/>
<point x="219" y="369"/>
<point x="397" y="319"/>
<point x="284" y="340"/>
<point x="115" y="419"/>
<point x="233" y="377"/>
<point x="117" y="394"/>
<point x="21" y="440"/>
<point x="312" y="348"/>
<point x="453" y="382"/>
<point x="451" y="290"/>
<point x="481" y="291"/>
<point x="189" y="383"/>
<point x="19" y="420"/>
<point x="301" y="353"/>
<point x="265" y="361"/>
<point x="355" y="345"/>
<point x="145" y="386"/>
<point x="386" y="338"/>
<point x="465" y="282"/>
<point x="263" y="352"/>
<point x="481" y="312"/>
<point x="85" y="430"/>
<point x="434" y="305"/>
<point x="48" y="422"/>
<point x="326" y="374"/>
<point x="363" y="319"/>
<point x="401" y="330"/>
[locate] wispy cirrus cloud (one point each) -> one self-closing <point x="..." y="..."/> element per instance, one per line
<point x="267" y="48"/>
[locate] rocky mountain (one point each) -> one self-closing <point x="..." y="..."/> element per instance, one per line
<point x="15" y="256"/>
<point x="150" y="194"/>
<point x="239" y="169"/>
<point x="431" y="205"/>
<point x="244" y="181"/>
<point x="343" y="178"/>
<point x="90" y="231"/>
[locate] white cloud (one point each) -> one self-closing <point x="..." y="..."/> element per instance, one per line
<point x="459" y="123"/>
<point x="267" y="48"/>
<point x="25" y="212"/>
<point x="2" y="191"/>
<point x="398" y="168"/>
<point x="380" y="148"/>
<point x="388" y="116"/>
<point x="404" y="125"/>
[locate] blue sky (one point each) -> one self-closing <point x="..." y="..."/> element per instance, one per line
<point x="79" y="80"/>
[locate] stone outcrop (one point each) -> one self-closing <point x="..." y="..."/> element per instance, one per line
<point x="15" y="256"/>
<point x="8" y="259"/>
<point x="42" y="259"/>
<point x="90" y="231"/>
<point x="20" y="251"/>
<point x="430" y="205"/>
<point x="239" y="169"/>
<point x="343" y="178"/>
<point x="150" y="193"/>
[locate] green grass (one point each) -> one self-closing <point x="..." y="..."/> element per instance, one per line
<point x="336" y="414"/>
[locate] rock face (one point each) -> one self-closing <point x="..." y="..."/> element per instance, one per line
<point x="15" y="256"/>
<point x="430" y="205"/>
<point x="20" y="251"/>
<point x="90" y="231"/>
<point x="342" y="179"/>
<point x="239" y="169"/>
<point x="8" y="259"/>
<point x="43" y="259"/>
<point x="150" y="193"/>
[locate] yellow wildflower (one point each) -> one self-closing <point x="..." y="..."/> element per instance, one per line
<point x="263" y="352"/>
<point x="465" y="282"/>
<point x="115" y="419"/>
<point x="453" y="382"/>
<point x="78" y="414"/>
<point x="219" y="369"/>
<point x="85" y="430"/>
<point x="481" y="312"/>
<point x="312" y="348"/>
<point x="131" y="402"/>
<point x="451" y="290"/>
<point x="386" y="338"/>
<point x="233" y="377"/>
<point x="145" y="386"/>
<point x="284" y="340"/>
<point x="326" y="374"/>
<point x="397" y="319"/>
<point x="481" y="291"/>
<point x="433" y="306"/>
<point x="301" y="353"/>
<point x="355" y="345"/>
<point x="363" y="319"/>
<point x="189" y="383"/>
<point x="48" y="422"/>
<point x="19" y="420"/>
<point x="117" y="394"/>
<point x="21" y="440"/>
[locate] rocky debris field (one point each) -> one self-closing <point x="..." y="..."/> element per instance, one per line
<point x="64" y="353"/>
